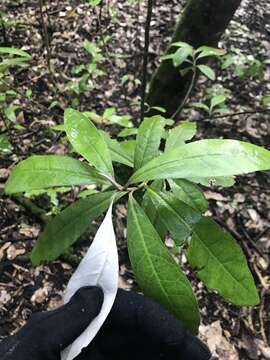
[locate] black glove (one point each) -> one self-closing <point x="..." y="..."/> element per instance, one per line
<point x="137" y="328"/>
<point x="47" y="333"/>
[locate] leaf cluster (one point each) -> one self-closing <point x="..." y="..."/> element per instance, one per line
<point x="163" y="200"/>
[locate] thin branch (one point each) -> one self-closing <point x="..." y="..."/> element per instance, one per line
<point x="145" y="55"/>
<point x="248" y="112"/>
<point x="45" y="37"/>
<point x="190" y="88"/>
<point x="5" y="41"/>
<point x="113" y="182"/>
<point x="32" y="207"/>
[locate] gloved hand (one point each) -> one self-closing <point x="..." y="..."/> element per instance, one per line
<point x="137" y="328"/>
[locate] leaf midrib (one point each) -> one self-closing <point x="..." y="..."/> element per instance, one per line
<point x="148" y="133"/>
<point x="74" y="219"/>
<point x="100" y="141"/>
<point x="173" y="210"/>
<point x="146" y="252"/>
<point x="140" y="171"/>
<point x="58" y="170"/>
<point x="212" y="255"/>
<point x="122" y="155"/>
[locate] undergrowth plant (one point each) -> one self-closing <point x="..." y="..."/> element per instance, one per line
<point x="163" y="200"/>
<point x="190" y="60"/>
<point x="9" y="98"/>
<point x="86" y="75"/>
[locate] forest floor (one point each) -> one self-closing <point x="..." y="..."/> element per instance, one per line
<point x="234" y="333"/>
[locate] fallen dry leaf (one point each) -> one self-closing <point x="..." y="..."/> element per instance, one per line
<point x="13" y="252"/>
<point x="3" y="249"/>
<point x="211" y="195"/>
<point x="219" y="345"/>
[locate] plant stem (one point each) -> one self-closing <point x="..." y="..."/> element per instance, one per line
<point x="134" y="188"/>
<point x="190" y="88"/>
<point x="3" y="30"/>
<point x="248" y="112"/>
<point x="145" y="55"/>
<point x="46" y="38"/>
<point x="114" y="182"/>
<point x="33" y="208"/>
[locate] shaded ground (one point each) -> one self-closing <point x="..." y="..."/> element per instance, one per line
<point x="243" y="209"/>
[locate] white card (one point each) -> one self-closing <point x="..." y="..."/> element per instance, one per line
<point x="99" y="267"/>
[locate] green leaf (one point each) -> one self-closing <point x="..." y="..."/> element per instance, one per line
<point x="178" y="217"/>
<point x="129" y="147"/>
<point x="88" y="141"/>
<point x="68" y="226"/>
<point x="123" y="120"/>
<point x="207" y="71"/>
<point x="10" y="112"/>
<point x="221" y="263"/>
<point x="159" y="108"/>
<point x="94" y="2"/>
<point x="93" y="50"/>
<point x="148" y="140"/>
<point x="12" y="62"/>
<point x="59" y="127"/>
<point x="5" y="145"/>
<point x="152" y="211"/>
<point x="181" y="55"/>
<point x="121" y="152"/>
<point x="14" y="51"/>
<point x="190" y="194"/>
<point x="209" y="51"/>
<point x="228" y="60"/>
<point x="180" y="134"/>
<point x="217" y="100"/>
<point x="181" y="44"/>
<point x="225" y="181"/>
<point x="47" y="171"/>
<point x="200" y="105"/>
<point x="205" y="159"/>
<point x="156" y="271"/>
<point x="266" y="101"/>
<point x="128" y="132"/>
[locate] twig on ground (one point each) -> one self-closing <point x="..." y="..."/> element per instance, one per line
<point x="46" y="38"/>
<point x="145" y="55"/>
<point x="249" y="112"/>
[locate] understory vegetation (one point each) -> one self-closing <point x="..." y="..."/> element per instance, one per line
<point x="104" y="101"/>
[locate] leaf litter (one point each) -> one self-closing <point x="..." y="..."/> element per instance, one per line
<point x="69" y="27"/>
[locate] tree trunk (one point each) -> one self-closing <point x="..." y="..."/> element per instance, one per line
<point x="202" y="23"/>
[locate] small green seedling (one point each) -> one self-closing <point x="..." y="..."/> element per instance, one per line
<point x="9" y="99"/>
<point x="163" y="200"/>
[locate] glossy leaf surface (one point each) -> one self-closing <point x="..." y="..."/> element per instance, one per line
<point x="88" y="141"/>
<point x="152" y="211"/>
<point x="205" y="159"/>
<point x="156" y="271"/>
<point x="121" y="151"/>
<point x="190" y="194"/>
<point x="66" y="227"/>
<point x="225" y="181"/>
<point x="180" y="134"/>
<point x="221" y="264"/>
<point x="148" y="140"/>
<point x="205" y="51"/>
<point x="46" y="171"/>
<point x="178" y="217"/>
<point x="207" y="71"/>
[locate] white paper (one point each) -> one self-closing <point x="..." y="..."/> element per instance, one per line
<point x="98" y="267"/>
